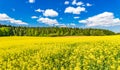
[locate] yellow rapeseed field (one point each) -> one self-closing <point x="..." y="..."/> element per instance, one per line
<point x="60" y="53"/>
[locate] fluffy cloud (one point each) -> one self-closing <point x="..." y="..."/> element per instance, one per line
<point x="47" y="21"/>
<point x="103" y="19"/>
<point x="76" y="17"/>
<point x="31" y="1"/>
<point x="39" y="10"/>
<point x="88" y="4"/>
<point x="73" y="10"/>
<point x="77" y="3"/>
<point x="34" y="17"/>
<point x="6" y="18"/>
<point x="61" y="25"/>
<point x="50" y="13"/>
<point x="66" y="2"/>
<point x="74" y="2"/>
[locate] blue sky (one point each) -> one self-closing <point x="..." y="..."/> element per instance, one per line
<point x="64" y="13"/>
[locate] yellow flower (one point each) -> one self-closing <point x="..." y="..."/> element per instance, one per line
<point x="112" y="67"/>
<point x="62" y="68"/>
<point x="118" y="68"/>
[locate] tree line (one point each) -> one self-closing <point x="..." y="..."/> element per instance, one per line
<point x="7" y="30"/>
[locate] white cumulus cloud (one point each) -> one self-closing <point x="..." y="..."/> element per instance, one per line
<point x="31" y="1"/>
<point x="77" y="3"/>
<point x="50" y="13"/>
<point x="39" y="10"/>
<point x="76" y="17"/>
<point x="34" y="17"/>
<point x="73" y="10"/>
<point x="103" y="19"/>
<point x="47" y="21"/>
<point x="61" y="25"/>
<point x="5" y="18"/>
<point x="74" y="2"/>
<point x="66" y="2"/>
<point x="88" y="4"/>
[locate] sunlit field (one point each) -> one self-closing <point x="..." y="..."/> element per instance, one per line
<point x="60" y="53"/>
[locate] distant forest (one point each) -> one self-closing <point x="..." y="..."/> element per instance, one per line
<point x="7" y="30"/>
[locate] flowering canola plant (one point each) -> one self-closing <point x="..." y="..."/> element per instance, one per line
<point x="60" y="53"/>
